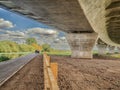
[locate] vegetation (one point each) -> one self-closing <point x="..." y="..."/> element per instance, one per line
<point x="30" y="41"/>
<point x="26" y="48"/>
<point x="3" y="58"/>
<point x="59" y="52"/>
<point x="46" y="48"/>
<point x="9" y="46"/>
<point x="12" y="47"/>
<point x="115" y="55"/>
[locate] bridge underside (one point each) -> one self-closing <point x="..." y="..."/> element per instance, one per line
<point x="113" y="20"/>
<point x="79" y="18"/>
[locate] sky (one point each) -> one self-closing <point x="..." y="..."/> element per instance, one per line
<point x="17" y="28"/>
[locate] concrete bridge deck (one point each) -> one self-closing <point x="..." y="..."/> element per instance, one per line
<point x="84" y="21"/>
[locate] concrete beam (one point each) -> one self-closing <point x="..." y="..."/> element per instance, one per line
<point x="111" y="31"/>
<point x="8" y="4"/>
<point x="113" y="13"/>
<point x="113" y="28"/>
<point x="114" y="5"/>
<point x="65" y="14"/>
<point x="114" y="0"/>
<point x="113" y="23"/>
<point x="81" y="44"/>
<point x="21" y="11"/>
<point x="113" y="19"/>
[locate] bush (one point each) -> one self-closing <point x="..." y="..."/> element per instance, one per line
<point x="4" y="58"/>
<point x="46" y="48"/>
<point x="26" y="48"/>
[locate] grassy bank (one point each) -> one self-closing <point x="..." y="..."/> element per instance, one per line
<point x="59" y="52"/>
<point x="8" y="56"/>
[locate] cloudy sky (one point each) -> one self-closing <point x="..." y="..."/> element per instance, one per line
<point x="17" y="28"/>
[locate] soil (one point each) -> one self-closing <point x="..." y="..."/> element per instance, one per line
<point x="73" y="74"/>
<point x="7" y="68"/>
<point x="28" y="78"/>
<point x="87" y="74"/>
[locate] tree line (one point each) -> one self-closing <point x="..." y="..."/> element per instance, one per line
<point x="10" y="46"/>
<point x="31" y="45"/>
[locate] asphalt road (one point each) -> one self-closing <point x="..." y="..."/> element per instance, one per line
<point x="28" y="78"/>
<point x="7" y="68"/>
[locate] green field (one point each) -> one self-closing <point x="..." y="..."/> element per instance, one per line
<point x="115" y="55"/>
<point x="8" y="56"/>
<point x="59" y="52"/>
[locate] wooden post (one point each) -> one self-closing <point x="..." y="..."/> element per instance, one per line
<point x="50" y="74"/>
<point x="54" y="68"/>
<point x="48" y="59"/>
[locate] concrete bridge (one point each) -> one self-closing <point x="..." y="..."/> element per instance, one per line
<point x="83" y="20"/>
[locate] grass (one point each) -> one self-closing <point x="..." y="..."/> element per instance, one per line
<point x="8" y="56"/>
<point x="59" y="52"/>
<point x="115" y="55"/>
<point x="3" y="58"/>
<point x="16" y="53"/>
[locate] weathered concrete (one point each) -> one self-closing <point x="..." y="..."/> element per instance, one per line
<point x="100" y="13"/>
<point x="81" y="44"/>
<point x="65" y="15"/>
<point x="102" y="49"/>
<point x="111" y="49"/>
<point x="75" y="16"/>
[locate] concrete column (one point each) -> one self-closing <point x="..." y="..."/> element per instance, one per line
<point x="102" y="49"/>
<point x="111" y="49"/>
<point x="118" y="49"/>
<point x="81" y="44"/>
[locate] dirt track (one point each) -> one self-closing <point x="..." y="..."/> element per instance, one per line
<point x="73" y="74"/>
<point x="28" y="78"/>
<point x="9" y="67"/>
<point x="80" y="74"/>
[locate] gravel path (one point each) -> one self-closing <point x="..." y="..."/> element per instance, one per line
<point x="30" y="77"/>
<point x="95" y="74"/>
<point x="9" y="67"/>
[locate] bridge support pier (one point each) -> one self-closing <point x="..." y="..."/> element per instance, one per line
<point x="111" y="49"/>
<point x="101" y="49"/>
<point x="81" y="44"/>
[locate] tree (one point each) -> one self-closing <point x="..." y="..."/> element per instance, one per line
<point x="8" y="46"/>
<point x="26" y="48"/>
<point x="37" y="47"/>
<point x="46" y="47"/>
<point x="30" y="41"/>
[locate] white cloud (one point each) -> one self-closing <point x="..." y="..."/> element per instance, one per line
<point x="5" y="24"/>
<point x="49" y="36"/>
<point x="15" y="33"/>
<point x="42" y="36"/>
<point x="42" y="31"/>
<point x="62" y="38"/>
<point x="4" y="37"/>
<point x="10" y="35"/>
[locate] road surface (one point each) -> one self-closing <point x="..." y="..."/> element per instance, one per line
<point x="7" y="68"/>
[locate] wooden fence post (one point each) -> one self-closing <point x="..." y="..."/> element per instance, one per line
<point x="54" y="68"/>
<point x="50" y="74"/>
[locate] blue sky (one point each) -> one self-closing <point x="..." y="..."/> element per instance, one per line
<point x="20" y="21"/>
<point x="24" y="27"/>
